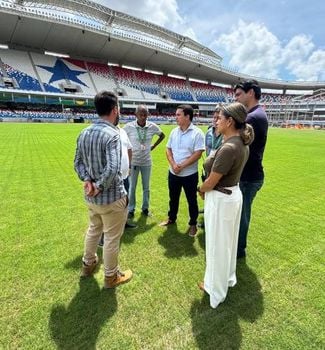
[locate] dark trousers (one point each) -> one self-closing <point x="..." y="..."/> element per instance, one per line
<point x="175" y="185"/>
<point x="249" y="190"/>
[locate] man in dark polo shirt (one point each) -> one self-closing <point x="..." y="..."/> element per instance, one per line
<point x="252" y="178"/>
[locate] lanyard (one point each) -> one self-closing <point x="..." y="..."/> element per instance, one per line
<point x="142" y="134"/>
<point x="215" y="140"/>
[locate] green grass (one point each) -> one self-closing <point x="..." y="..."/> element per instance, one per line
<point x="278" y="302"/>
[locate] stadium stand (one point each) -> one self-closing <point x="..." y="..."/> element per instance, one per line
<point x="33" y="115"/>
<point x="65" y="75"/>
<point x="35" y="72"/>
<point x="208" y="93"/>
<point x="102" y="76"/>
<point x="16" y="66"/>
<point x="176" y="89"/>
<point x="56" y="115"/>
<point x="148" y="83"/>
<point x="126" y="82"/>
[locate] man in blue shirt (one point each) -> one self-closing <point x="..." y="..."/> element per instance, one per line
<point x="252" y="178"/>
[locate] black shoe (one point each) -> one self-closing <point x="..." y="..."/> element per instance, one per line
<point x="131" y="214"/>
<point x="129" y="225"/>
<point x="146" y="212"/>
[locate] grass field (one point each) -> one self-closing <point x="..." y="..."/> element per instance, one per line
<point x="278" y="302"/>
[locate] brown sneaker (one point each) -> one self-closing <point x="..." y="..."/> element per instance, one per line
<point x="87" y="270"/>
<point x="117" y="279"/>
<point x="192" y="231"/>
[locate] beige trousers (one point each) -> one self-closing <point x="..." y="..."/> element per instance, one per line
<point x="109" y="219"/>
<point x="221" y="219"/>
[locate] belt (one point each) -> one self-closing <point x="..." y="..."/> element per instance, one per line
<point x="223" y="190"/>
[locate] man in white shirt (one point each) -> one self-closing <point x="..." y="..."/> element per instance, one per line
<point x="184" y="149"/>
<point x="141" y="132"/>
<point x="126" y="156"/>
<point x="126" y="164"/>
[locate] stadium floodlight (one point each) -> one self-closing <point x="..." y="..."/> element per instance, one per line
<point x="153" y="72"/>
<point x="130" y="67"/>
<point x="3" y="46"/>
<point x="112" y="64"/>
<point x="220" y="85"/>
<point x="198" y="81"/>
<point x="56" y="54"/>
<point x="176" y="76"/>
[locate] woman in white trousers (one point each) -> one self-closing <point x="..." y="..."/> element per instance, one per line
<point x="223" y="201"/>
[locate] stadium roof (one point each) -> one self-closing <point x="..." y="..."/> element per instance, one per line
<point x="86" y="30"/>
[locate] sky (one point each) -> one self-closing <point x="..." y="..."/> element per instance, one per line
<point x="279" y="39"/>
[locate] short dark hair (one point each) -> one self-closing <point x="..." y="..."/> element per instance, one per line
<point x="250" y="84"/>
<point x="105" y="101"/>
<point x="188" y="110"/>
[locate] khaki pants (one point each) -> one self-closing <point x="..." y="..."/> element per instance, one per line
<point x="109" y="219"/>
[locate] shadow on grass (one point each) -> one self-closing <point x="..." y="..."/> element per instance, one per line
<point x="219" y="328"/>
<point x="201" y="238"/>
<point x="77" y="326"/>
<point x="176" y="243"/>
<point x="142" y="226"/>
<point x="76" y="263"/>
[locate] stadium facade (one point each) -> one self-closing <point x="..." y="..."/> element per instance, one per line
<point x="60" y="53"/>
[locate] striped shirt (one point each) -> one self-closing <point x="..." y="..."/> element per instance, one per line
<point x="141" y="138"/>
<point x="98" y="159"/>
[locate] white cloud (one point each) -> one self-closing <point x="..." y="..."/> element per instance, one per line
<point x="252" y="49"/>
<point x="164" y="13"/>
<point x="302" y="60"/>
<point x="299" y="46"/>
